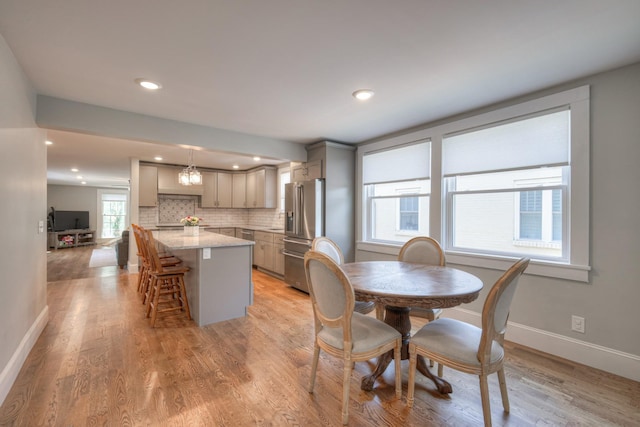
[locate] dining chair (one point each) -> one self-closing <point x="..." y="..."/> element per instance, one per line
<point x="423" y="250"/>
<point x="330" y="248"/>
<point x="339" y="330"/>
<point x="467" y="348"/>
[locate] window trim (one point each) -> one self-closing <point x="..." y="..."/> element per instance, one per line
<point x="101" y="192"/>
<point x="577" y="267"/>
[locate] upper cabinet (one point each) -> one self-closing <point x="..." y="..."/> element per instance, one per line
<point x="148" y="189"/>
<point x="262" y="188"/>
<point x="306" y="171"/>
<point x="254" y="189"/>
<point x="168" y="182"/>
<point x="239" y="199"/>
<point x="217" y="190"/>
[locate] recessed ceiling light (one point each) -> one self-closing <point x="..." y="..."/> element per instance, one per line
<point x="256" y="158"/>
<point x="158" y="158"/>
<point x="84" y="183"/>
<point x="79" y="177"/>
<point x="48" y="142"/>
<point x="363" y="94"/>
<point x="74" y="169"/>
<point x="235" y="166"/>
<point x="148" y="84"/>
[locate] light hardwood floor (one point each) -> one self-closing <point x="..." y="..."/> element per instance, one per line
<point x="99" y="363"/>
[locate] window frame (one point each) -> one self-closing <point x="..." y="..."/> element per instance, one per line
<point x="100" y="210"/>
<point x="576" y="267"/>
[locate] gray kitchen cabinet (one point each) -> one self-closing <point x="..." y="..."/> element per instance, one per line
<point x="239" y="183"/>
<point x="228" y="231"/>
<point x="263" y="250"/>
<point x="306" y="171"/>
<point x="278" y="254"/>
<point x="337" y="162"/>
<point x="217" y="190"/>
<point x="148" y="186"/>
<point x="262" y="188"/>
<point x="168" y="182"/>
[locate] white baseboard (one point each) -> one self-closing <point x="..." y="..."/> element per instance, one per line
<point x="10" y="372"/>
<point x="616" y="362"/>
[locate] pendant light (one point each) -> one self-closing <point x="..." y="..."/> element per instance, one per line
<point x="190" y="175"/>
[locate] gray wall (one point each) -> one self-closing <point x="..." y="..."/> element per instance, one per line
<point x="23" y="190"/>
<point x="543" y="307"/>
<point x="74" y="198"/>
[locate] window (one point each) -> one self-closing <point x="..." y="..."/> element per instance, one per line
<point x="507" y="183"/>
<point x="496" y="204"/>
<point x="284" y="177"/>
<point x="409" y="214"/>
<point x="113" y="209"/>
<point x="396" y="191"/>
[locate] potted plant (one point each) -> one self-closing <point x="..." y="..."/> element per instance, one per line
<point x="191" y="225"/>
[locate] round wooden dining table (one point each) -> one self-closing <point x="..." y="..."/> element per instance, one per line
<point x="400" y="285"/>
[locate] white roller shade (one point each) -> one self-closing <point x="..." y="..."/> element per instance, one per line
<point x="537" y="141"/>
<point x="397" y="164"/>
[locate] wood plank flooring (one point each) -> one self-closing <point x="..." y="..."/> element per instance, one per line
<point x="99" y="363"/>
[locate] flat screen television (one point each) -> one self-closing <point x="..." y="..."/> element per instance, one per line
<point x="70" y="220"/>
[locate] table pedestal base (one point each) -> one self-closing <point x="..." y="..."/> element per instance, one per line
<point x="398" y="317"/>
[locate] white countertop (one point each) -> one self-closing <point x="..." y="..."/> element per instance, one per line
<point x="275" y="230"/>
<point x="176" y="239"/>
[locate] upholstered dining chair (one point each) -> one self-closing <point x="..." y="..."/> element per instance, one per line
<point x="423" y="250"/>
<point x="330" y="248"/>
<point x="470" y="349"/>
<point x="339" y="330"/>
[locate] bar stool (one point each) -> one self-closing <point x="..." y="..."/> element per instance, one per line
<point x="167" y="291"/>
<point x="166" y="260"/>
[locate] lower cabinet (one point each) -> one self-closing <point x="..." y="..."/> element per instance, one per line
<point x="263" y="250"/>
<point x="278" y="254"/>
<point x="228" y="231"/>
<point x="268" y="252"/>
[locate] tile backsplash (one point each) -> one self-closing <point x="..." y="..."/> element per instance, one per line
<point x="171" y="208"/>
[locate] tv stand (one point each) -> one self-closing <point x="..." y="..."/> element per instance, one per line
<point x="71" y="238"/>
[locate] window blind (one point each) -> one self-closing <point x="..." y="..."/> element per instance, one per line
<point x="397" y="164"/>
<point x="536" y="141"/>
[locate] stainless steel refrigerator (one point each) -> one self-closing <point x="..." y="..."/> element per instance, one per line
<point x="303" y="205"/>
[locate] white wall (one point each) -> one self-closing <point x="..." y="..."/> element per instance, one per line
<point x="23" y="164"/>
<point x="542" y="308"/>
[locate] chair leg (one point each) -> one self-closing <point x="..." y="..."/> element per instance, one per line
<point x="440" y="369"/>
<point x="503" y="389"/>
<point x="413" y="361"/>
<point x="346" y="383"/>
<point x="397" y="357"/>
<point x="379" y="311"/>
<point x="314" y="367"/>
<point x="183" y="295"/>
<point x="484" y="394"/>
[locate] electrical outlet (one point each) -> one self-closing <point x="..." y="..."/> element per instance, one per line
<point x="577" y="324"/>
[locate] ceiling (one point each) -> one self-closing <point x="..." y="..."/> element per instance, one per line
<point x="286" y="69"/>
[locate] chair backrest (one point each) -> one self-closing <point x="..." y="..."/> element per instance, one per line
<point x="495" y="312"/>
<point x="331" y="292"/>
<point x="150" y="251"/>
<point x="328" y="247"/>
<point x="423" y="250"/>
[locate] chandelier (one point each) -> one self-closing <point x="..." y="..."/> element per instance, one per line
<point x="190" y="175"/>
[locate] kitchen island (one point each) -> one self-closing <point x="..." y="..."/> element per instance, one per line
<point x="219" y="285"/>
